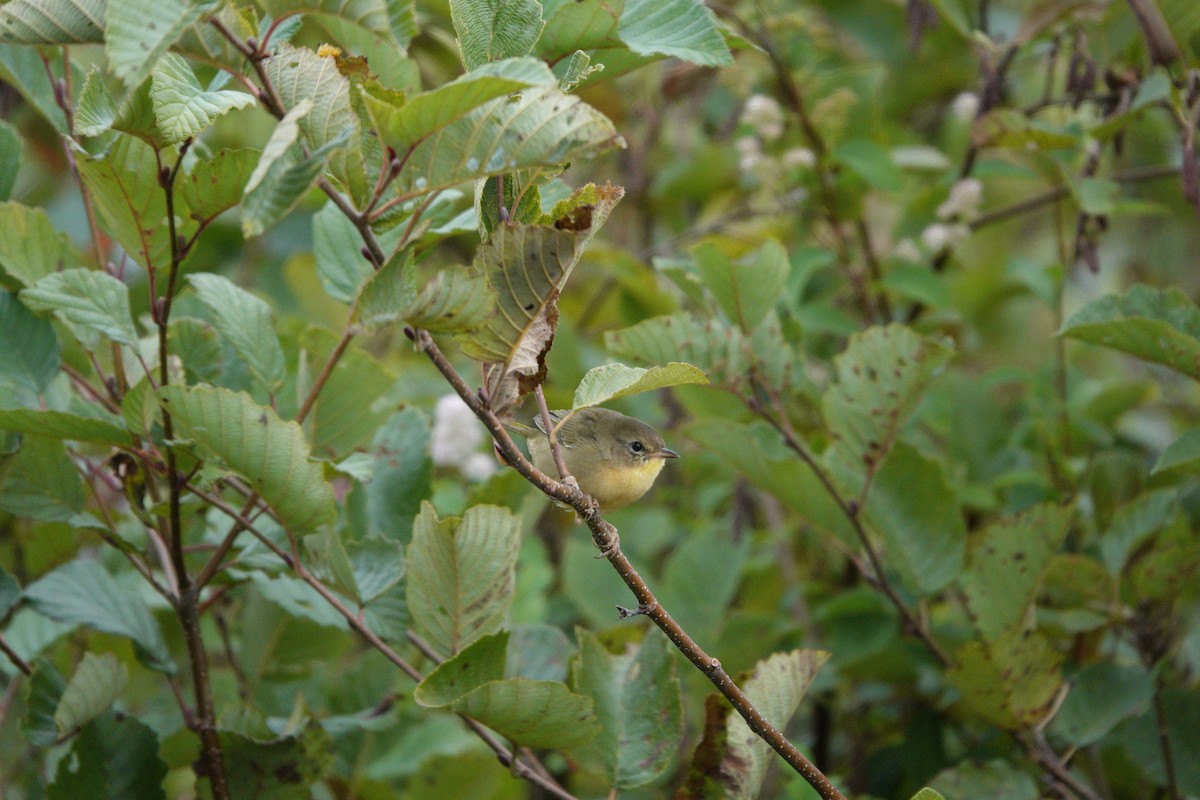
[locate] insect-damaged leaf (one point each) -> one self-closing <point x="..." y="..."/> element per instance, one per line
<point x="527" y="266"/>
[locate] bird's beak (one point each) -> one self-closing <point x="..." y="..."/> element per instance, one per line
<point x="666" y="453"/>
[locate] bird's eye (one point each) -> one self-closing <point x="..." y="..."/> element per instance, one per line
<point x="636" y="447"/>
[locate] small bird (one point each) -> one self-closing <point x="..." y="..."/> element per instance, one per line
<point x="614" y="458"/>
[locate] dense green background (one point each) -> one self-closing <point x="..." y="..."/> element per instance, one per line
<point x="936" y="259"/>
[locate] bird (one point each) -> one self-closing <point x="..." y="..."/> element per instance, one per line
<point x="614" y="458"/>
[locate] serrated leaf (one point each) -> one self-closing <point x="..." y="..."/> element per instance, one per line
<point x="88" y="302"/>
<point x="30" y="247"/>
<point x="1158" y="325"/>
<point x="112" y="757"/>
<point x="95" y="110"/>
<point x="124" y="186"/>
<point x="52" y="21"/>
<point x="637" y="701"/>
<point x="914" y="507"/>
<point x="684" y="29"/>
<point x="407" y="125"/>
<point x="881" y="378"/>
<point x="41" y="482"/>
<point x="461" y="574"/>
<point x="216" y="185"/>
<point x="538" y="127"/>
<point x="134" y="47"/>
<point x="95" y="684"/>
<point x="301" y="76"/>
<point x="82" y="592"/>
<point x="528" y="265"/>
<point x="590" y="26"/>
<point x="64" y="425"/>
<point x="453" y="300"/>
<point x="492" y="30"/>
<point x="613" y="381"/>
<point x="244" y="321"/>
<point x="1005" y="567"/>
<point x="10" y="160"/>
<point x="1010" y="681"/>
<point x="254" y="442"/>
<point x="181" y="106"/>
<point x="530" y="712"/>
<point x="403" y="475"/>
<point x="745" y="291"/>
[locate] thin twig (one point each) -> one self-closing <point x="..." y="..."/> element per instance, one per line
<point x="1164" y="741"/>
<point x="17" y="661"/>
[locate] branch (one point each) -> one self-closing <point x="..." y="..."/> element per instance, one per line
<point x="604" y="535"/>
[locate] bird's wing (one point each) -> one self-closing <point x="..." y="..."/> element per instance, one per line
<point x="555" y="416"/>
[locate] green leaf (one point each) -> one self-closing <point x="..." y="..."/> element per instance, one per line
<point x="873" y="163"/>
<point x="613" y="381"/>
<point x="1158" y="325"/>
<point x="216" y="185"/>
<point x="45" y="688"/>
<point x="1134" y="523"/>
<point x="371" y="15"/>
<point x="461" y="574"/>
<point x="10" y="593"/>
<point x="29" y="350"/>
<point x="684" y="29"/>
<point x="30" y="247"/>
<point x="530" y="712"/>
<point x="1183" y="453"/>
<point x="287" y="768"/>
<point x="1005" y="567"/>
<point x="346" y="414"/>
<point x="115" y="758"/>
<point x="337" y="247"/>
<point x="83" y="592"/>
<point x="181" y="106"/>
<point x="590" y="26"/>
<point x="928" y="794"/>
<point x="124" y="185"/>
<point x="914" y="507"/>
<point x="254" y="442"/>
<point x="88" y="302"/>
<point x="528" y="266"/>
<point x="244" y="321"/>
<point x="995" y="779"/>
<point x="41" y="482"/>
<point x="539" y="127"/>
<point x="23" y="69"/>
<point x="52" y="21"/>
<point x="1010" y="681"/>
<point x="1096" y="195"/>
<point x="10" y="160"/>
<point x="95" y="110"/>
<point x="453" y="300"/>
<point x="64" y="425"/>
<point x="881" y="378"/>
<point x="301" y="76"/>
<point x="283" y="173"/>
<point x="403" y="475"/>
<point x="492" y="30"/>
<point x="134" y="47"/>
<point x="745" y="292"/>
<point x="377" y="563"/>
<point x="96" y="683"/>
<point x="1102" y="695"/>
<point x="636" y="697"/>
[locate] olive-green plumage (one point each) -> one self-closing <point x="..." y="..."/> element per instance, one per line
<point x="614" y="457"/>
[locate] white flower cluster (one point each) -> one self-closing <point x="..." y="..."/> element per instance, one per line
<point x="456" y="439"/>
<point x="763" y="114"/>
<point x="963" y="201"/>
<point x="965" y="106"/>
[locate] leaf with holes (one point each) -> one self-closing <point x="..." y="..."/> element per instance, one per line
<point x="461" y="574"/>
<point x="254" y="442"/>
<point x="215" y="185"/>
<point x="528" y="265"/>
<point x="881" y="377"/>
<point x="1010" y="681"/>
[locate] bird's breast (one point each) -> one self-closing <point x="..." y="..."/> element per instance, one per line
<point x="615" y="487"/>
